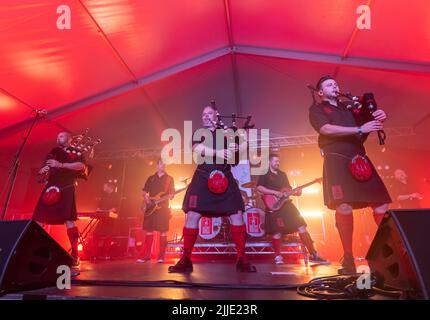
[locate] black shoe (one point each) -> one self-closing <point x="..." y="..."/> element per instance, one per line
<point x="243" y="265"/>
<point x="315" y="258"/>
<point x="182" y="266"/>
<point x="348" y="265"/>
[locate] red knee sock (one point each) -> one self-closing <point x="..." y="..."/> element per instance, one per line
<point x="238" y="235"/>
<point x="276" y="243"/>
<point x="149" y="238"/>
<point x="306" y="239"/>
<point x="163" y="242"/>
<point x="190" y="237"/>
<point x="345" y="225"/>
<point x="378" y="217"/>
<point x="73" y="235"/>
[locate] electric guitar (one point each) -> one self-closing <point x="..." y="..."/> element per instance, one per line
<point x="274" y="203"/>
<point x="149" y="208"/>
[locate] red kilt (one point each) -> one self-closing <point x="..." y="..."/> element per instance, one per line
<point x="59" y="213"/>
<point x="341" y="187"/>
<point x="199" y="198"/>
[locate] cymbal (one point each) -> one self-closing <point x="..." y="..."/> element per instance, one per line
<point x="251" y="184"/>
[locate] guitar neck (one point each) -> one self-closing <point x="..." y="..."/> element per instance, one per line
<point x="167" y="196"/>
<point x="288" y="193"/>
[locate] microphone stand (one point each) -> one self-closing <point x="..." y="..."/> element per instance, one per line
<point x="15" y="164"/>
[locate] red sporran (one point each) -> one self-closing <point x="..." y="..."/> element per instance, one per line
<point x="52" y="195"/>
<point x="217" y="182"/>
<point x="360" y="168"/>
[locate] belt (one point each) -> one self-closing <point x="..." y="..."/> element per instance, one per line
<point x="226" y="169"/>
<point x="342" y="155"/>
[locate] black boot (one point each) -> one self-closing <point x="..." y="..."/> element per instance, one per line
<point x="243" y="265"/>
<point x="348" y="265"/>
<point x="317" y="259"/>
<point x="182" y="266"/>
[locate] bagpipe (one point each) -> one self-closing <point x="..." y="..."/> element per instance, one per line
<point x="219" y="124"/>
<point x="217" y="181"/>
<point x="364" y="106"/>
<point x="81" y="144"/>
<point x="230" y="131"/>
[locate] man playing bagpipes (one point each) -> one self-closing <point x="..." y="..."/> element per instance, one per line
<point x="213" y="192"/>
<point x="57" y="203"/>
<point x="350" y="180"/>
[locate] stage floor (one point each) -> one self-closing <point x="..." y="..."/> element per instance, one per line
<point x="125" y="279"/>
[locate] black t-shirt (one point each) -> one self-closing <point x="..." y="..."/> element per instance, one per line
<point x="326" y="113"/>
<point x="63" y="176"/>
<point x="155" y="184"/>
<point x="217" y="164"/>
<point x="274" y="181"/>
<point x="398" y="188"/>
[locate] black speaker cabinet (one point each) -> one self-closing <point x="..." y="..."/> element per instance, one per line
<point x="400" y="252"/>
<point x="29" y="257"/>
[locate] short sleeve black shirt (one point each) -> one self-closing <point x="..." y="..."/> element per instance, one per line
<point x="155" y="184"/>
<point x="63" y="176"/>
<point x="274" y="181"/>
<point x="326" y="113"/>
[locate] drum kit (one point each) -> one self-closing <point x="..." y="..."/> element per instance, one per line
<point x="217" y="228"/>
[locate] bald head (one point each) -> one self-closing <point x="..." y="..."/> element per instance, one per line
<point x="64" y="139"/>
<point x="399" y="174"/>
<point x="208" y="116"/>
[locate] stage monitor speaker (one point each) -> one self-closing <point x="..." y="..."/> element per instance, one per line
<point x="400" y="252"/>
<point x="29" y="257"/>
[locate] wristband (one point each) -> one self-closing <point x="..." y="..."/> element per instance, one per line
<point x="360" y="131"/>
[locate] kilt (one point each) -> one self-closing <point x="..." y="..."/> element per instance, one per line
<point x="285" y="221"/>
<point x="59" y="213"/>
<point x="199" y="198"/>
<point x="158" y="220"/>
<point x="341" y="187"/>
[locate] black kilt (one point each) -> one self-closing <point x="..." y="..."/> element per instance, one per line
<point x="341" y="187"/>
<point x="158" y="221"/>
<point x="64" y="210"/>
<point x="199" y="198"/>
<point x="285" y="221"/>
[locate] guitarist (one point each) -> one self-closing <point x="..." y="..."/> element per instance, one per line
<point x="287" y="219"/>
<point x="159" y="219"/>
<point x="57" y="203"/>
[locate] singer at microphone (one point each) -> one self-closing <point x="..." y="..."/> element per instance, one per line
<point x="350" y="179"/>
